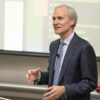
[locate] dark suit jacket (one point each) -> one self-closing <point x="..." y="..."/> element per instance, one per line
<point x="78" y="72"/>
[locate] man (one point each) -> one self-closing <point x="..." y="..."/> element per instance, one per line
<point x="72" y="70"/>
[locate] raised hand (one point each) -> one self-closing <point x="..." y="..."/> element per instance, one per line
<point x="33" y="75"/>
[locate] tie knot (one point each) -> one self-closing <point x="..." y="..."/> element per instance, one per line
<point x="62" y="43"/>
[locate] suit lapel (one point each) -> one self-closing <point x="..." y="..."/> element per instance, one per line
<point x="54" y="53"/>
<point x="68" y="55"/>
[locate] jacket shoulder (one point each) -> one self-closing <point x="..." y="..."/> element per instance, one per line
<point x="82" y="41"/>
<point x="55" y="42"/>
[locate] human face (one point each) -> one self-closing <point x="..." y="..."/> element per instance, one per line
<point x="61" y="22"/>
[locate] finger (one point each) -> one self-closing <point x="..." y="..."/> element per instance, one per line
<point x="27" y="76"/>
<point x="29" y="79"/>
<point x="49" y="98"/>
<point x="48" y="93"/>
<point x="46" y="98"/>
<point x="53" y="95"/>
<point x="50" y="88"/>
<point x="29" y="72"/>
<point x="38" y="69"/>
<point x="35" y="71"/>
<point x="29" y="82"/>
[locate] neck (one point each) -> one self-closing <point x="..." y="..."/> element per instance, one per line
<point x="64" y="36"/>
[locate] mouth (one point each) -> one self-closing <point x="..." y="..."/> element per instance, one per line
<point x="57" y="28"/>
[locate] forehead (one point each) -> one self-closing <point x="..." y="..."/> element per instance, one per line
<point x="60" y="11"/>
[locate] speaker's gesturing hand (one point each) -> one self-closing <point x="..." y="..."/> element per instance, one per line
<point x="33" y="75"/>
<point x="54" y="93"/>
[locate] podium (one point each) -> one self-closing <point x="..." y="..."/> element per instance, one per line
<point x="15" y="91"/>
<point x="1" y="98"/>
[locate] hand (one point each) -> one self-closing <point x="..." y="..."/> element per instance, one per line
<point x="33" y="75"/>
<point x="54" y="93"/>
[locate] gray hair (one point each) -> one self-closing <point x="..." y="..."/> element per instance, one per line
<point x="71" y="13"/>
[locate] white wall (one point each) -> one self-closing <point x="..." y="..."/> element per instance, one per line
<point x="14" y="68"/>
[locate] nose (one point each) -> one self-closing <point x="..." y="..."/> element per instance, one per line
<point x="55" y="22"/>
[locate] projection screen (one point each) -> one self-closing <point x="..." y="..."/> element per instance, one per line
<point x="26" y="25"/>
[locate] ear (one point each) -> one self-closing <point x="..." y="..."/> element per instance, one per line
<point x="72" y="22"/>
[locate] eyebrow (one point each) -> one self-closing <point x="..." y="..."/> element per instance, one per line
<point x="58" y="17"/>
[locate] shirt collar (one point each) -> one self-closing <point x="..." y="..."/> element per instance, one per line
<point x="69" y="38"/>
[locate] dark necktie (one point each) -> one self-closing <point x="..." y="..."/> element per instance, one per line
<point x="58" y="63"/>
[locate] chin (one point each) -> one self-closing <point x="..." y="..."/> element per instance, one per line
<point x="57" y="32"/>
